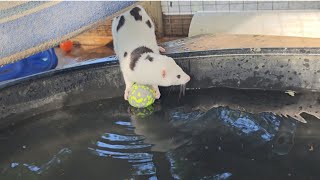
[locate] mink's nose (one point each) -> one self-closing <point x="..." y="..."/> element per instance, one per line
<point x="188" y="79"/>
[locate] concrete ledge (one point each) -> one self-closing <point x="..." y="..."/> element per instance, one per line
<point x="278" y="23"/>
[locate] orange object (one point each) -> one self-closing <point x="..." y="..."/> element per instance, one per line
<point x="66" y="46"/>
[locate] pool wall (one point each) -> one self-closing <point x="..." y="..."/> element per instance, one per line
<point x="281" y="69"/>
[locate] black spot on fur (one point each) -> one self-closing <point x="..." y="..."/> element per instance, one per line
<point x="149" y="58"/>
<point x="135" y="13"/>
<point x="125" y="54"/>
<point x="136" y="54"/>
<point x="179" y="76"/>
<point x="121" y="23"/>
<point x="149" y="23"/>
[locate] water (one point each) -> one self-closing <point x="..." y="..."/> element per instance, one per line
<point x="210" y="134"/>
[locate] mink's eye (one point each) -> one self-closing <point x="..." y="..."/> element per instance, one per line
<point x="178" y="76"/>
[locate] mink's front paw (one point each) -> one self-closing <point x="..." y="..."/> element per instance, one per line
<point x="156" y="89"/>
<point x="162" y="50"/>
<point x="126" y="94"/>
<point x="158" y="94"/>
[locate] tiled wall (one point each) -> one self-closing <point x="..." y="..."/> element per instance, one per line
<point x="190" y="7"/>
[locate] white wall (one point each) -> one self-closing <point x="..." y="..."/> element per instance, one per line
<point x="190" y="7"/>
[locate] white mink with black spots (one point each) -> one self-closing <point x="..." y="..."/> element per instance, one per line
<point x="139" y="55"/>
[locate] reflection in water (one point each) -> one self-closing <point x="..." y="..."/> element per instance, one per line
<point x="260" y="127"/>
<point x="285" y="138"/>
<point x="127" y="147"/>
<point x="61" y="156"/>
<point x="223" y="134"/>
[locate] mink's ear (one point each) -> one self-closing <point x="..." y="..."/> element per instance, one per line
<point x="163" y="73"/>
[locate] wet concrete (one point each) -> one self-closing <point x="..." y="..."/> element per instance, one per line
<point x="270" y="69"/>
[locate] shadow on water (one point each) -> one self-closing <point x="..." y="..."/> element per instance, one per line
<point x="210" y="134"/>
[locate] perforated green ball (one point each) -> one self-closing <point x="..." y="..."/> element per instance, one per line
<point x="141" y="96"/>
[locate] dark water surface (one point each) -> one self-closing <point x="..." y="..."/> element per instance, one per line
<point x="207" y="134"/>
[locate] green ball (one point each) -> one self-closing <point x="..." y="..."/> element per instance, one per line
<point x="141" y="96"/>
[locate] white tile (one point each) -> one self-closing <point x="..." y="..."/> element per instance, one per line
<point x="196" y="3"/>
<point x="185" y="3"/>
<point x="210" y="2"/>
<point x="185" y="9"/>
<point x="223" y="2"/>
<point x="296" y="5"/>
<point x="164" y="3"/>
<point x="280" y="5"/>
<point x="264" y="5"/>
<point x="196" y="8"/>
<point x="236" y="7"/>
<point x="250" y="6"/>
<point x="236" y="2"/>
<point x="223" y="7"/>
<point x="165" y="9"/>
<point x="317" y="4"/>
<point x="173" y="3"/>
<point x="311" y="5"/>
<point x="210" y="8"/>
<point x="173" y="9"/>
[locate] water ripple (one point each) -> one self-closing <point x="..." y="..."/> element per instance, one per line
<point x="120" y="155"/>
<point x="112" y="146"/>
<point x="130" y="148"/>
<point x="118" y="137"/>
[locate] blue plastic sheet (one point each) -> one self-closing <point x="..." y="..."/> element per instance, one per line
<point x="37" y="63"/>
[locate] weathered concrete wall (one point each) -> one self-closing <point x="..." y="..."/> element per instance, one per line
<point x="268" y="69"/>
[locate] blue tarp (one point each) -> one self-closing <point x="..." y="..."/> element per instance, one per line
<point x="37" y="63"/>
